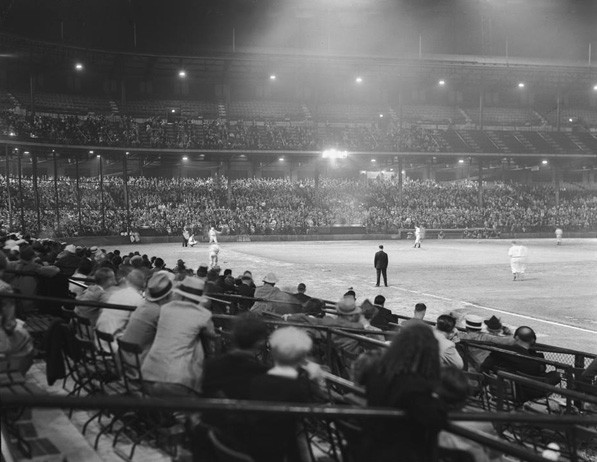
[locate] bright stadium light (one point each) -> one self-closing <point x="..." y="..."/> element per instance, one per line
<point x="461" y="161"/>
<point x="185" y="158"/>
<point x="172" y="111"/>
<point x="182" y="74"/>
<point x="272" y="77"/>
<point x="90" y="152"/>
<point x="544" y="162"/>
<point x="334" y="154"/>
<point x="79" y="67"/>
<point x="404" y="172"/>
<point x="281" y="159"/>
<point x="372" y="160"/>
<point x="359" y="80"/>
<point x="381" y="116"/>
<point x="441" y="83"/>
<point x="26" y="152"/>
<point x="520" y="84"/>
<point x="12" y="134"/>
<point x="595" y="87"/>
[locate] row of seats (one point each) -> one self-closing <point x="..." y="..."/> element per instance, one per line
<point x="284" y="110"/>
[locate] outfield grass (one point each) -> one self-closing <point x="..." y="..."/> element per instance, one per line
<point x="558" y="298"/>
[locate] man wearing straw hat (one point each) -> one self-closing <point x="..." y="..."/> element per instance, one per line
<point x="276" y="301"/>
<point x="174" y="364"/>
<point x="143" y="323"/>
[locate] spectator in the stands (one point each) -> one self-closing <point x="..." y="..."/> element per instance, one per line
<point x="420" y="310"/>
<point x="68" y="260"/>
<point x="27" y="284"/>
<point x="105" y="281"/>
<point x="143" y="323"/>
<point x="454" y="390"/>
<point x="158" y="265"/>
<point x="246" y="289"/>
<point x="16" y="344"/>
<point x="523" y="362"/>
<point x="300" y="294"/>
<point x="405" y="378"/>
<point x="227" y="375"/>
<point x="497" y="334"/>
<point x="384" y="316"/>
<point x="112" y="321"/>
<point x="174" y="364"/>
<point x="85" y="268"/>
<point x="275" y="301"/>
<point x="448" y="354"/>
<point x="274" y="438"/>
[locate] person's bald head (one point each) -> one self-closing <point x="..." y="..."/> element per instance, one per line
<point x="526" y="336"/>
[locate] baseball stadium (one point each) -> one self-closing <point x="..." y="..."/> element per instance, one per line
<point x="298" y="230"/>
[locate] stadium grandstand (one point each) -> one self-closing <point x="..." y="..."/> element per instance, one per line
<point x="189" y="193"/>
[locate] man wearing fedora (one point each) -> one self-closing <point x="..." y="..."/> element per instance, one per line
<point x="143" y="323"/>
<point x="278" y="302"/>
<point x="174" y="364"/>
<point x="380" y="262"/>
<point x="497" y="334"/>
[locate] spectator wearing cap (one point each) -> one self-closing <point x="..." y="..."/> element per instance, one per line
<point x="113" y="321"/>
<point x="174" y="364"/>
<point x="143" y="323"/>
<point x="448" y="355"/>
<point x="496" y="334"/>
<point x="522" y="362"/>
<point x="300" y="294"/>
<point x="380" y="262"/>
<point x="202" y="272"/>
<point x="274" y="438"/>
<point x="275" y="301"/>
<point x="15" y="341"/>
<point x="68" y="261"/>
<point x="105" y="281"/>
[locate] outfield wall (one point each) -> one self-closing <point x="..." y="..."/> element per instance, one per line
<point x="121" y="240"/>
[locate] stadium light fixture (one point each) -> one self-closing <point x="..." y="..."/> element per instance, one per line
<point x="173" y="111"/>
<point x="26" y="152"/>
<point x="441" y="83"/>
<point x="359" y="80"/>
<point x="272" y="77"/>
<point x="281" y="159"/>
<point x="90" y="152"/>
<point x="595" y="87"/>
<point x="544" y="162"/>
<point x="373" y="160"/>
<point x="461" y="161"/>
<point x="127" y="153"/>
<point x="98" y="156"/>
<point x="334" y="154"/>
<point x="185" y="158"/>
<point x="182" y="74"/>
<point x="12" y="134"/>
<point x="79" y="67"/>
<point x="520" y="84"/>
<point x="381" y="116"/>
<point x="570" y="120"/>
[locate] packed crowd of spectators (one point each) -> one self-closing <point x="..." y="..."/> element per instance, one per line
<point x="156" y="132"/>
<point x="265" y="206"/>
<point x="416" y="367"/>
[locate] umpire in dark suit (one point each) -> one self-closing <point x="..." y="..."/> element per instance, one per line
<point x="381" y="265"/>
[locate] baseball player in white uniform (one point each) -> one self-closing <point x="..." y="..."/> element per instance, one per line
<point x="418" y="237"/>
<point x="213" y="235"/>
<point x="214" y="250"/>
<point x="559" y="234"/>
<point x="518" y="256"/>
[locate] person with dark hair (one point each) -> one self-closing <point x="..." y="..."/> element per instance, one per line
<point x="384" y="317"/>
<point x="380" y="262"/>
<point x="420" y="310"/>
<point x="300" y="294"/>
<point x="228" y="375"/>
<point x="525" y="338"/>
<point x="83" y="271"/>
<point x="246" y="288"/>
<point x="405" y="378"/>
<point x="448" y="354"/>
<point x="105" y="282"/>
